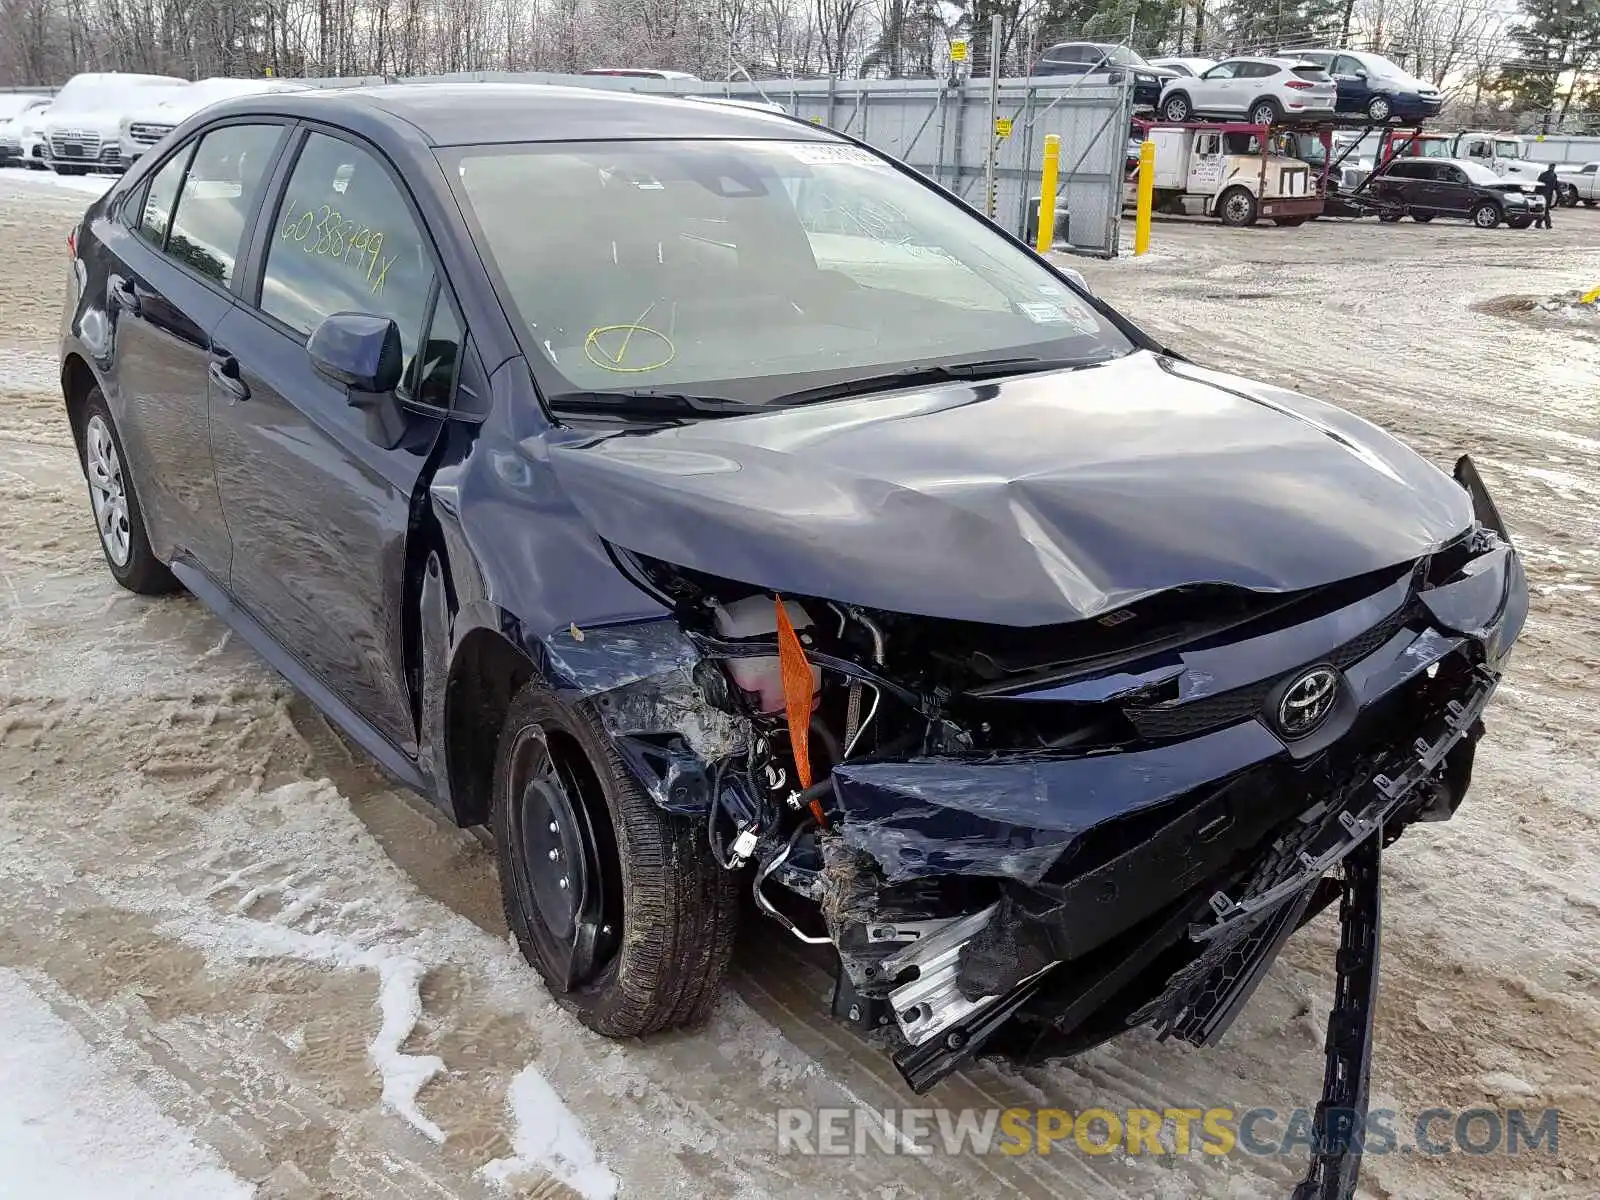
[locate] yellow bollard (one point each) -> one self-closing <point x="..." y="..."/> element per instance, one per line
<point x="1047" y="193"/>
<point x="1591" y="297"/>
<point x="1147" y="193"/>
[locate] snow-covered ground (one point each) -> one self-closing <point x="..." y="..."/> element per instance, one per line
<point x="235" y="961"/>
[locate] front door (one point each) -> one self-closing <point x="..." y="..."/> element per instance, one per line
<point x="319" y="511"/>
<point x="1354" y="90"/>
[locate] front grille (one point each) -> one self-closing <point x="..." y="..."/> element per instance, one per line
<point x="148" y="133"/>
<point x="74" y="143"/>
<point x="1172" y="720"/>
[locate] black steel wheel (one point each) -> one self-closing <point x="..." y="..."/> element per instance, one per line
<point x="617" y="903"/>
<point x="1237" y="206"/>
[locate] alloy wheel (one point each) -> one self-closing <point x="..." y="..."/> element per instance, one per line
<point x="107" y="491"/>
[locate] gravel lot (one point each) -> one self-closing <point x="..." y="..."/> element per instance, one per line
<point x="269" y="967"/>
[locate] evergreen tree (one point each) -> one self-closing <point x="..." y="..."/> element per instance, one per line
<point x="1557" y="52"/>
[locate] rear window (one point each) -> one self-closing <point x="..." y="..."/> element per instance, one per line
<point x="1315" y="74"/>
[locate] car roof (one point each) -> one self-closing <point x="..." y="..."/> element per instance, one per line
<point x="476" y="114"/>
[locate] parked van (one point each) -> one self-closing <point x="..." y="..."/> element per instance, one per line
<point x="83" y="125"/>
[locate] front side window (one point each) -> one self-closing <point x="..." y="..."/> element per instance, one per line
<point x="345" y="241"/>
<point x="1345" y="65"/>
<point x="1222" y="71"/>
<point x="219" y="192"/>
<point x="1508" y="149"/>
<point x="750" y="270"/>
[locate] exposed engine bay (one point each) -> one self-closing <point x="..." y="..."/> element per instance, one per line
<point x="1026" y="841"/>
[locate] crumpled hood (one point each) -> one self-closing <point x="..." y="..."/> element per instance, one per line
<point x="1033" y="501"/>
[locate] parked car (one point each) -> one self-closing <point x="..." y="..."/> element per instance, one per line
<point x="1579" y="184"/>
<point x="144" y="127"/>
<point x="83" y="126"/>
<point x="29" y="128"/>
<point x="1426" y="188"/>
<point x="761" y="516"/>
<point x="1184" y="66"/>
<point x="1101" y="64"/>
<point x="1261" y="90"/>
<point x="1371" y="84"/>
<point x="14" y="108"/>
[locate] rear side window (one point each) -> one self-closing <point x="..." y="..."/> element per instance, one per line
<point x="219" y="192"/>
<point x="1257" y="70"/>
<point x="156" y="214"/>
<point x="1409" y="170"/>
<point x="345" y="241"/>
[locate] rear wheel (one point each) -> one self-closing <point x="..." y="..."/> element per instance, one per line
<point x="1423" y="217"/>
<point x="1176" y="107"/>
<point x="1567" y="195"/>
<point x="117" y="515"/>
<point x="1392" y="215"/>
<point x="1237" y="207"/>
<point x="617" y="903"/>
<point x="1264" y="112"/>
<point x="1486" y="215"/>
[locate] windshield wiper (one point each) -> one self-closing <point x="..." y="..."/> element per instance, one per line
<point x="983" y="368"/>
<point x="646" y="402"/>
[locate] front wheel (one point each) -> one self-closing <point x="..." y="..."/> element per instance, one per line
<point x="1567" y="196"/>
<point x="617" y="903"/>
<point x="1520" y="223"/>
<point x="1422" y="217"/>
<point x="1379" y="108"/>
<point x="1393" y="215"/>
<point x="1176" y="108"/>
<point x="1237" y="207"/>
<point x="117" y="516"/>
<point x="1486" y="215"/>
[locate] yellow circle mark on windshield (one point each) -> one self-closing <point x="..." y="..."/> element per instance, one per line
<point x="628" y="348"/>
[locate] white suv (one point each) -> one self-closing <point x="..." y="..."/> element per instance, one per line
<point x="15" y="109"/>
<point x="145" y="126"/>
<point x="83" y="123"/>
<point x="1259" y="90"/>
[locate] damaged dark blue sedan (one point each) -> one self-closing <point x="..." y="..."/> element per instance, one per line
<point x="711" y="504"/>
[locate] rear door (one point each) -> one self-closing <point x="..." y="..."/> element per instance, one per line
<point x="174" y="248"/>
<point x="318" y="508"/>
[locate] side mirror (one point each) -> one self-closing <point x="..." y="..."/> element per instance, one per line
<point x="359" y="351"/>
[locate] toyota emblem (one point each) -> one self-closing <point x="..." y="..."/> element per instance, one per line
<point x="1307" y="701"/>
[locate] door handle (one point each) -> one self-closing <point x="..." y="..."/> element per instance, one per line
<point x="124" y="296"/>
<point x="224" y="372"/>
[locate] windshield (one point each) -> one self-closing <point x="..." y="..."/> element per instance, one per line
<point x="750" y="270"/>
<point x="1434" y="148"/>
<point x="1506" y="148"/>
<point x="1124" y="57"/>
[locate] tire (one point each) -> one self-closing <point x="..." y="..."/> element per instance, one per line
<point x="1390" y="217"/>
<point x="1265" y="112"/>
<point x="1590" y="203"/>
<point x="1176" y="107"/>
<point x="1288" y="222"/>
<point x="1567" y="196"/>
<point x="658" y="912"/>
<point x="1237" y="207"/>
<point x="1379" y="108"/>
<point x="1422" y="217"/>
<point x="1520" y="223"/>
<point x="118" y="519"/>
<point x="1486" y="214"/>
